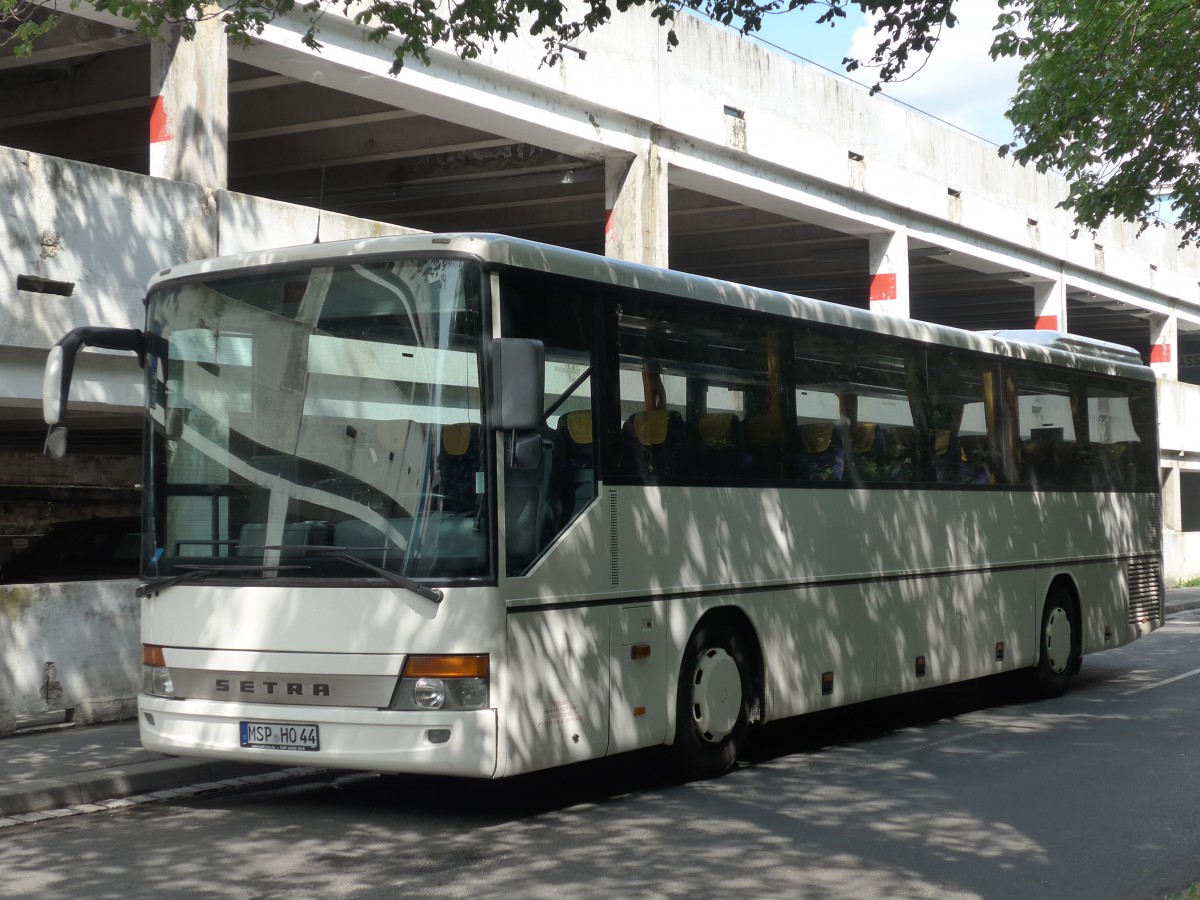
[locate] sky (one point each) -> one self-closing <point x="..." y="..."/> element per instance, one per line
<point x="959" y="82"/>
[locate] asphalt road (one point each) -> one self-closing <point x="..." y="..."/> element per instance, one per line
<point x="972" y="791"/>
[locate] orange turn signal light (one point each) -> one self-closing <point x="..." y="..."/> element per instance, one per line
<point x="446" y="667"/>
<point x="152" y="655"/>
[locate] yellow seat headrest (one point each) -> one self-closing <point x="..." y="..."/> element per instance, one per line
<point x="456" y="439"/>
<point x="862" y="436"/>
<point x="816" y="437"/>
<point x="579" y="425"/>
<point x="650" y="427"/>
<point x="941" y="441"/>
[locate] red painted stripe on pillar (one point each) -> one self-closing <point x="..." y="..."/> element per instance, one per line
<point x="1160" y="353"/>
<point x="883" y="286"/>
<point x="608" y="224"/>
<point x="1046" y="323"/>
<point x="158" y="121"/>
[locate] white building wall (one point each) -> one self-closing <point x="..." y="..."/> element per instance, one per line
<point x="1179" y="444"/>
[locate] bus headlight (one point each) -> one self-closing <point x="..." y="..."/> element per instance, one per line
<point x="429" y="693"/>
<point x="443" y="682"/>
<point x="468" y="693"/>
<point x="156" y="677"/>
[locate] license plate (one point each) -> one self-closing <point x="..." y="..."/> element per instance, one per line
<point x="280" y="736"/>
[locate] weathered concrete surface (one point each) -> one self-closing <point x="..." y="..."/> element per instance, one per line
<point x="102" y="230"/>
<point x="106" y="232"/>
<point x="68" y="646"/>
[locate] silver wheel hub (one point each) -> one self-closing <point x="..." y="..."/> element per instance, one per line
<point x="716" y="694"/>
<point x="1058" y="640"/>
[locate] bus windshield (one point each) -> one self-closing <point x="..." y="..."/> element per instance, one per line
<point x="304" y="421"/>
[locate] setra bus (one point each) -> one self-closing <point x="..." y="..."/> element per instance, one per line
<point x="465" y="504"/>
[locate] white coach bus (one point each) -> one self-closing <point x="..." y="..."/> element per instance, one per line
<point x="463" y="504"/>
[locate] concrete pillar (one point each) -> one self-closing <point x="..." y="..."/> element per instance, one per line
<point x="189" y="111"/>
<point x="1172" y="498"/>
<point x="1050" y="305"/>
<point x="1164" y="346"/>
<point x="635" y="208"/>
<point x="887" y="255"/>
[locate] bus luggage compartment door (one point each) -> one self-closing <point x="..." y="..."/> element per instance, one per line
<point x="638" y="716"/>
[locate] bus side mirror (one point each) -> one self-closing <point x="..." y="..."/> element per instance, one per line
<point x="518" y="370"/>
<point x="55" y="385"/>
<point x="60" y="363"/>
<point x="56" y="441"/>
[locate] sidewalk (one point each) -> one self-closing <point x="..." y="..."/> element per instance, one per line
<point x="64" y="768"/>
<point x="68" y="769"/>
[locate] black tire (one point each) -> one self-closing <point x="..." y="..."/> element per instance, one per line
<point x="1060" y="644"/>
<point x="712" y="712"/>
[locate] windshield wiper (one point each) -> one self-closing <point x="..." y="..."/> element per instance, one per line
<point x="344" y="554"/>
<point x="196" y="571"/>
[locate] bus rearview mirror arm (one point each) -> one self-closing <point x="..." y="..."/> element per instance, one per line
<point x="60" y="365"/>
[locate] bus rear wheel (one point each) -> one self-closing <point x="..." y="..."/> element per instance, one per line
<point x="712" y="711"/>
<point x="1061" y="643"/>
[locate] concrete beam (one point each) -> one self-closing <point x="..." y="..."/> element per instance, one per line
<point x="71" y="37"/>
<point x="112" y="81"/>
<point x="358" y="144"/>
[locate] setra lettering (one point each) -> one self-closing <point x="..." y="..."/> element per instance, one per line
<point x="271" y="688"/>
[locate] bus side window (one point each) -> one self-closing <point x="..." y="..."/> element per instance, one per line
<point x="854" y="407"/>
<point x="1048" y="430"/>
<point x="964" y="421"/>
<point x="1117" y="448"/>
<point x="699" y="394"/>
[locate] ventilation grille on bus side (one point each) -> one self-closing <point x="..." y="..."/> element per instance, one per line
<point x="614" y="562"/>
<point x="1144" y="579"/>
<point x="1155" y="522"/>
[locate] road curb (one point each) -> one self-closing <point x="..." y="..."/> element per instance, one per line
<point x="21" y="798"/>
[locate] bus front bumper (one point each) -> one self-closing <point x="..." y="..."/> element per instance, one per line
<point x="434" y="743"/>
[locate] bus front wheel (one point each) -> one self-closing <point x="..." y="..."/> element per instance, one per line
<point x="1061" y="642"/>
<point x="713" y="703"/>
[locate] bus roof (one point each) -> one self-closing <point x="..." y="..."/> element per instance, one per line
<point x="500" y="250"/>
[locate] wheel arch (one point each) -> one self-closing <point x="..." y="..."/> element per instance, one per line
<point x="735" y="618"/>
